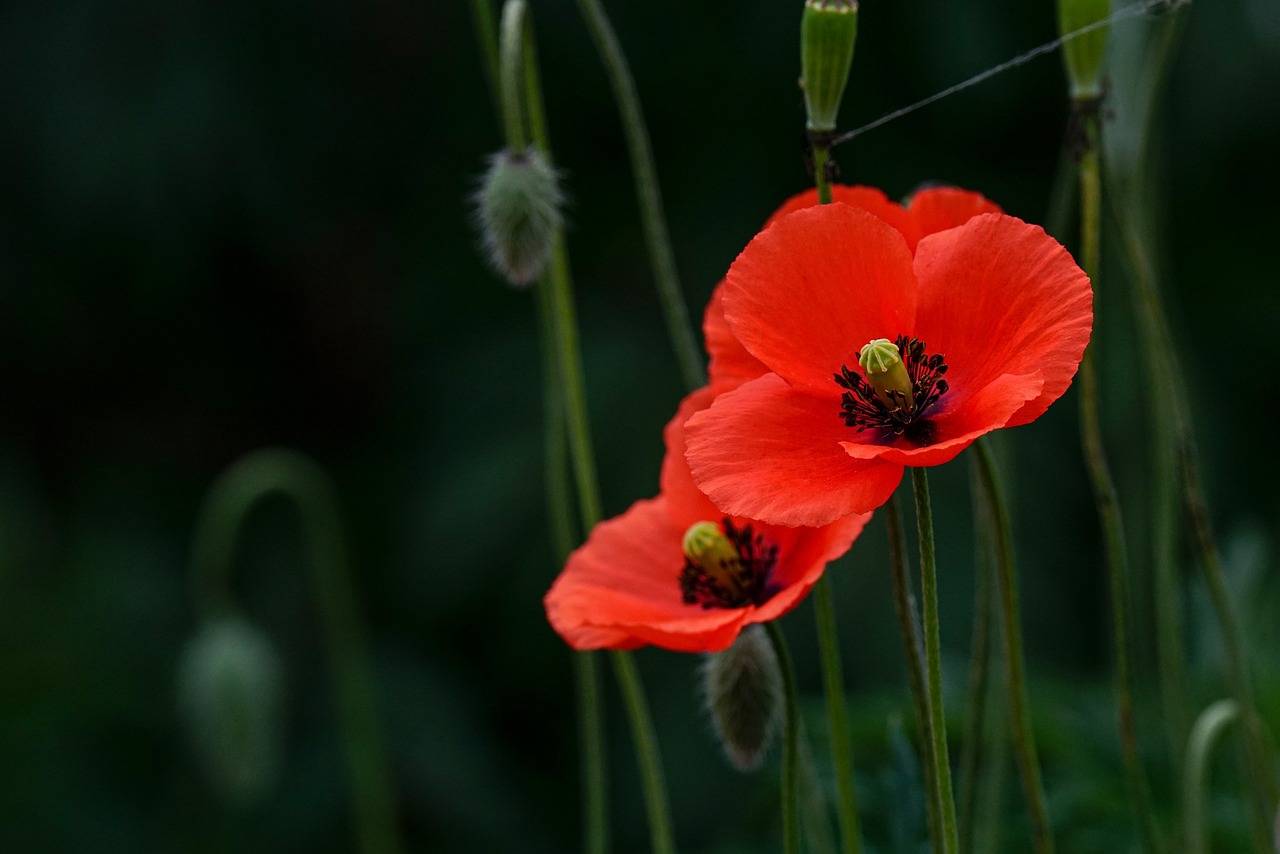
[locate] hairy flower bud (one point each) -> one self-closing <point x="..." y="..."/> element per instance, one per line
<point x="518" y="210"/>
<point x="828" y="31"/>
<point x="230" y="693"/>
<point x="743" y="687"/>
<point x="1083" y="54"/>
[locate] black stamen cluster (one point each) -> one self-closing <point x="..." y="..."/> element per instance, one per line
<point x="862" y="408"/>
<point x="749" y="573"/>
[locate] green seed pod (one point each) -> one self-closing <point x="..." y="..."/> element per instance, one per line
<point x="1083" y="54"/>
<point x="743" y="688"/>
<point x="518" y="210"/>
<point x="828" y="31"/>
<point x="231" y="695"/>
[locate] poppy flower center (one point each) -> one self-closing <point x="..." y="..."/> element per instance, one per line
<point x="726" y="566"/>
<point x="901" y="383"/>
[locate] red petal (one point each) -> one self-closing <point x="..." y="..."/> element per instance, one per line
<point x="869" y="199"/>
<point x="940" y="208"/>
<point x="731" y="365"/>
<point x="685" y="502"/>
<point x="810" y="290"/>
<point x="624" y="584"/>
<point x="998" y="296"/>
<point x="979" y="413"/>
<point x="770" y="452"/>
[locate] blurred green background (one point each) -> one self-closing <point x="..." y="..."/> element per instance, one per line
<point x="240" y="224"/>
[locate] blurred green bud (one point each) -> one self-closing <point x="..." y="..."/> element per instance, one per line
<point x="1083" y="54"/>
<point x="518" y="209"/>
<point x="743" y="689"/>
<point x="230" y="694"/>
<point x="828" y="31"/>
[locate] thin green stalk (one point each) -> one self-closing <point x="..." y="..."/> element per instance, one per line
<point x="487" y="36"/>
<point x="657" y="239"/>
<point x="980" y="658"/>
<point x="1024" y="744"/>
<point x="646" y="741"/>
<point x="815" y="819"/>
<point x="904" y="605"/>
<point x="790" y="743"/>
<point x="1204" y="735"/>
<point x="517" y="37"/>
<point x="821" y="157"/>
<point x="1259" y="754"/>
<point x="595" y="829"/>
<point x="1107" y="497"/>
<point x="298" y="477"/>
<point x="933" y="659"/>
<point x="837" y="716"/>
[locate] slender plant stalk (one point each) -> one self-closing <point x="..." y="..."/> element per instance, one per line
<point x="815" y="819"/>
<point x="1204" y="735"/>
<point x="837" y="716"/>
<point x="657" y="239"/>
<point x="518" y="34"/>
<point x="298" y="477"/>
<point x="487" y="37"/>
<point x="1015" y="679"/>
<point x="1107" y="497"/>
<point x="1176" y="409"/>
<point x="821" y="157"/>
<point x="980" y="658"/>
<point x="904" y="605"/>
<point x="790" y="743"/>
<point x="933" y="659"/>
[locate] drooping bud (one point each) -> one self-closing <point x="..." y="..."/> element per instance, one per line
<point x="1083" y="54"/>
<point x="518" y="209"/>
<point x="828" y="31"/>
<point x="230" y="694"/>
<point x="882" y="363"/>
<point x="743" y="687"/>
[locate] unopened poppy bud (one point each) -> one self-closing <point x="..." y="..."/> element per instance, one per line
<point x="743" y="688"/>
<point x="518" y="208"/>
<point x="828" y="31"/>
<point x="1083" y="54"/>
<point x="230" y="694"/>
<point x="883" y="365"/>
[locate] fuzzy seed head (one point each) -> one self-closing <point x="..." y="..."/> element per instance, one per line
<point x="518" y="211"/>
<point x="230" y="694"/>
<point x="743" y="688"/>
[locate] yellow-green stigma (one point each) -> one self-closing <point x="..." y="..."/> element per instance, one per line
<point x="725" y="567"/>
<point x="883" y="365"/>
<point x="898" y="384"/>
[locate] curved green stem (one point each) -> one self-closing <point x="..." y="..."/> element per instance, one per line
<point x="1107" y="498"/>
<point x="1015" y="678"/>
<point x="657" y="239"/>
<point x="646" y="742"/>
<point x="299" y="478"/>
<point x="1204" y="735"/>
<point x="904" y="606"/>
<point x="837" y="716"/>
<point x="980" y="657"/>
<point x="933" y="659"/>
<point x="790" y="743"/>
<point x="821" y="157"/>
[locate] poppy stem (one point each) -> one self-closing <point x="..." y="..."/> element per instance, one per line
<point x="933" y="659"/>
<point x="837" y="716"/>
<point x="980" y="657"/>
<point x="1106" y="495"/>
<point x="656" y="235"/>
<point x="296" y="476"/>
<point x="821" y="159"/>
<point x="913" y="649"/>
<point x="790" y="743"/>
<point x="1204" y="736"/>
<point x="517" y="38"/>
<point x="1015" y="678"/>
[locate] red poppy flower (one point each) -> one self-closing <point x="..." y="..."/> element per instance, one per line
<point x="929" y="210"/>
<point x="995" y="305"/>
<point x="632" y="583"/>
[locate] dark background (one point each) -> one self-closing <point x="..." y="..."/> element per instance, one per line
<point x="241" y="224"/>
